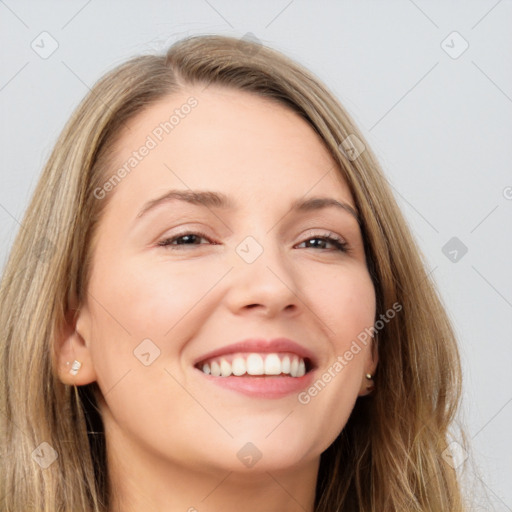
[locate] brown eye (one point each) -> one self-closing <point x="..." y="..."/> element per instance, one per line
<point x="185" y="239"/>
<point x="322" y="242"/>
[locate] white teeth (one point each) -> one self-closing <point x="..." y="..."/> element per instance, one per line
<point x="302" y="368"/>
<point x="285" y="364"/>
<point x="238" y="366"/>
<point x="225" y="368"/>
<point x="293" y="368"/>
<point x="215" y="369"/>
<point x="255" y="364"/>
<point x="272" y="365"/>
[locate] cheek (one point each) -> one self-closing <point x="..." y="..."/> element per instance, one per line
<point x="344" y="299"/>
<point x="345" y="303"/>
<point x="150" y="301"/>
<point x="141" y="316"/>
<point x="134" y="302"/>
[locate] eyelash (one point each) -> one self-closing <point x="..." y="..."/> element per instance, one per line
<point x="339" y="244"/>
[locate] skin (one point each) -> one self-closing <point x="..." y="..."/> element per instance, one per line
<point x="172" y="436"/>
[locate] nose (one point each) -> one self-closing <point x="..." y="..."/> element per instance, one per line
<point x="267" y="286"/>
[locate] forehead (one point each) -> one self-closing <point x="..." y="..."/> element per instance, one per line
<point x="215" y="138"/>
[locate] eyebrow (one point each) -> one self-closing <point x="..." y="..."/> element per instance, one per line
<point x="219" y="200"/>
<point x="318" y="203"/>
<point x="206" y="198"/>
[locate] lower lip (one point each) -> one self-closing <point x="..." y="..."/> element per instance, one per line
<point x="263" y="386"/>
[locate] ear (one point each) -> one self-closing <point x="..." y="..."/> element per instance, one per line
<point x="368" y="385"/>
<point x="73" y="345"/>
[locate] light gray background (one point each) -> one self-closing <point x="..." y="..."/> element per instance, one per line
<point x="441" y="127"/>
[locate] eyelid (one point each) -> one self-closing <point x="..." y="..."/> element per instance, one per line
<point x="187" y="232"/>
<point x="323" y="233"/>
<point x="338" y="241"/>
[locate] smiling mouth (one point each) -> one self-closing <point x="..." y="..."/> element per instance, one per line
<point x="242" y="364"/>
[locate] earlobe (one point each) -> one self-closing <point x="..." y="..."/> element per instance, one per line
<point x="368" y="379"/>
<point x="368" y="386"/>
<point x="73" y="359"/>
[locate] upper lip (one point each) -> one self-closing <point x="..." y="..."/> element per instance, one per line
<point x="253" y="345"/>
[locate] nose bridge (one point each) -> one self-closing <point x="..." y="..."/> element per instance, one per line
<point x="261" y="275"/>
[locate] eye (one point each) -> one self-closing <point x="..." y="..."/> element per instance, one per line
<point x="323" y="241"/>
<point x="185" y="239"/>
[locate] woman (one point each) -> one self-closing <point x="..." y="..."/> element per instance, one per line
<point x="215" y="300"/>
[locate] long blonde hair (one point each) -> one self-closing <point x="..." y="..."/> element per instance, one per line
<point x="388" y="456"/>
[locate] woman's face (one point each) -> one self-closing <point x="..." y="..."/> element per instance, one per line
<point x="215" y="252"/>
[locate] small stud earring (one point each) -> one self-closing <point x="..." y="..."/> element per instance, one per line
<point x="75" y="367"/>
<point x="371" y="386"/>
